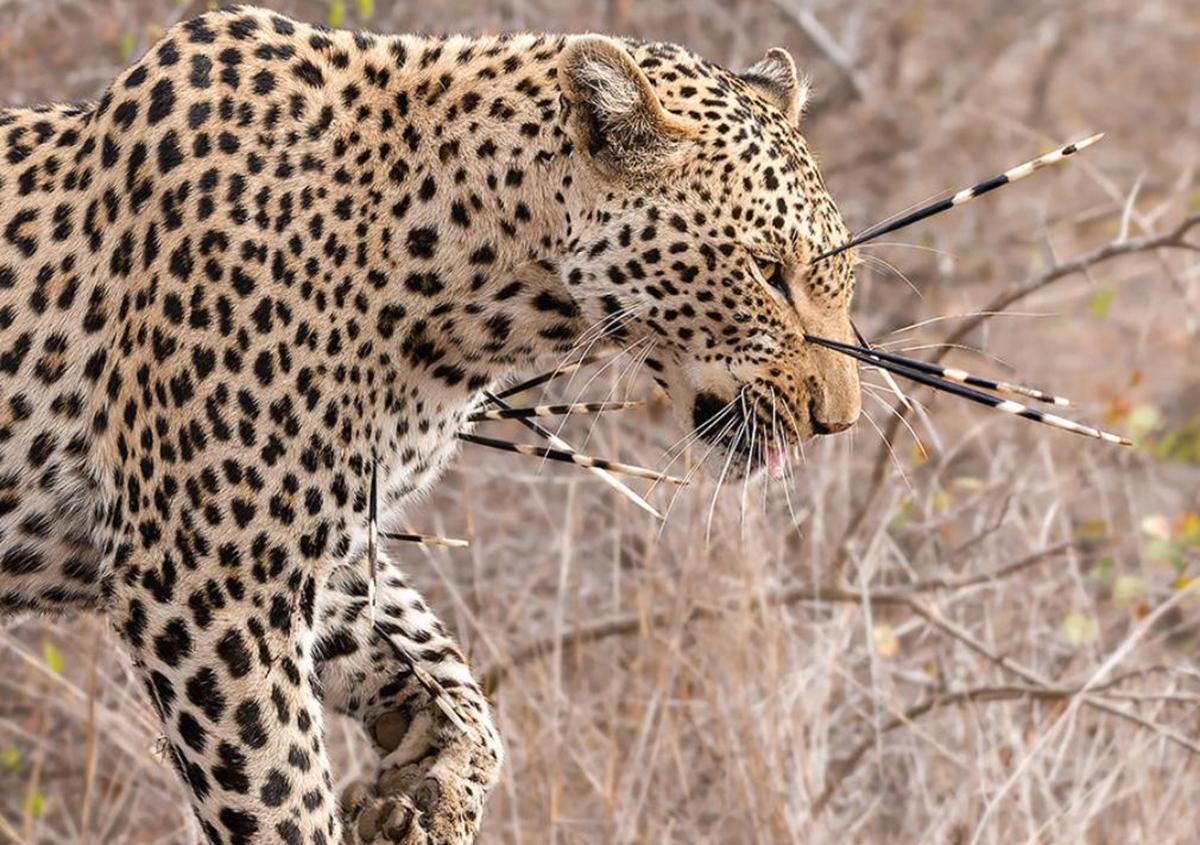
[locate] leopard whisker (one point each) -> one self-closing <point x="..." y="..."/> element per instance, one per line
<point x="681" y="445"/>
<point x="945" y="253"/>
<point x="629" y="371"/>
<point x="918" y="408"/>
<point x="609" y="361"/>
<point x="732" y="450"/>
<point x="895" y="271"/>
<point x="600" y="330"/>
<point x="691" y="473"/>
<point x="894" y="346"/>
<point x="883" y="438"/>
<point x="567" y="367"/>
<point x="543" y="378"/>
<point x="887" y="377"/>
<point x="963" y="196"/>
<point x="966" y="315"/>
<point x="749" y="465"/>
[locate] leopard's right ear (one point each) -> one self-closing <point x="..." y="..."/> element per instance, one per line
<point x="612" y="113"/>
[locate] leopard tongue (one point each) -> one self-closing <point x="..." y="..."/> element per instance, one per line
<point x="777" y="461"/>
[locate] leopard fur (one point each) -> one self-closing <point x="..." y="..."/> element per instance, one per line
<point x="273" y="257"/>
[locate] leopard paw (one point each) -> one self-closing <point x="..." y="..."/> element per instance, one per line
<point x="414" y="804"/>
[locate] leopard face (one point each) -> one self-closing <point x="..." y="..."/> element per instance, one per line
<point x="698" y="246"/>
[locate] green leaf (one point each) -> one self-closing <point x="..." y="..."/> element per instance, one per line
<point x="337" y="12"/>
<point x="1102" y="301"/>
<point x="54" y="658"/>
<point x="126" y="45"/>
<point x="1102" y="572"/>
<point x="366" y="9"/>
<point x="35" y="802"/>
<point x="1180" y="444"/>
<point x="11" y="757"/>
<point x="1157" y="549"/>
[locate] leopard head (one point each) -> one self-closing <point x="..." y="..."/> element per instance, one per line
<point x="696" y="238"/>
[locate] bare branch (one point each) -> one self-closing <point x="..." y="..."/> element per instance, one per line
<point x="1036" y="688"/>
<point x="632" y="623"/>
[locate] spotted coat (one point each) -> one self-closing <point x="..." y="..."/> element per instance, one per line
<point x="274" y="256"/>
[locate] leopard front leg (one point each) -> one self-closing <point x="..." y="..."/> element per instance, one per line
<point x="227" y="660"/>
<point x="441" y="758"/>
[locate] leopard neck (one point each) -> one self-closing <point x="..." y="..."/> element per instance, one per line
<point x="478" y="182"/>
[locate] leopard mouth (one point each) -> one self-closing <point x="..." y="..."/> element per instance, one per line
<point x="749" y="430"/>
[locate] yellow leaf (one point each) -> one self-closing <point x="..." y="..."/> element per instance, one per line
<point x="1127" y="590"/>
<point x="12" y="757"/>
<point x="54" y="658"/>
<point x="884" y="640"/>
<point x="942" y="501"/>
<point x="1092" y="529"/>
<point x="337" y="12"/>
<point x="1184" y="581"/>
<point x="1189" y="528"/>
<point x="1078" y="628"/>
<point x="919" y="453"/>
<point x="366" y="9"/>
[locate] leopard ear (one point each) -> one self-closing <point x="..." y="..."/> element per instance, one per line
<point x="775" y="77"/>
<point x="611" y="110"/>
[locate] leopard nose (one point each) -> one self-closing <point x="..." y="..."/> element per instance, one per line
<point x="819" y="427"/>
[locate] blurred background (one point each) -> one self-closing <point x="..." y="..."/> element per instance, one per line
<point x="955" y="627"/>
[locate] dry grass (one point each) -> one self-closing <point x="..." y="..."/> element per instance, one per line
<point x="762" y="669"/>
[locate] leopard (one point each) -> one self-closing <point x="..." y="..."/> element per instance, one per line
<point x="264" y="281"/>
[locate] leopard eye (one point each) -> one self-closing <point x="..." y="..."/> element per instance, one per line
<point x="772" y="274"/>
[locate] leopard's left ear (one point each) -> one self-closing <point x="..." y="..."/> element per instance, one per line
<point x="776" y="78"/>
<point x="612" y="112"/>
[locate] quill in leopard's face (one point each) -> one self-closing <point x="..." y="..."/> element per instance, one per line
<point x="707" y="212"/>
